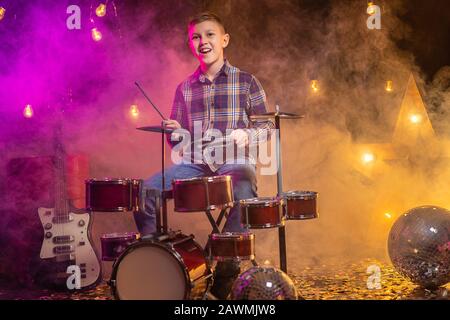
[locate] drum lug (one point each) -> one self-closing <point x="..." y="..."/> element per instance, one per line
<point x="111" y="283"/>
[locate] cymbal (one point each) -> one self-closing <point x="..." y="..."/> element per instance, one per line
<point x="155" y="129"/>
<point x="270" y="115"/>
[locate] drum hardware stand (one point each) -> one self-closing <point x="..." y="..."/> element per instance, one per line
<point x="281" y="229"/>
<point x="214" y="223"/>
<point x="222" y="214"/>
<point x="215" y="227"/>
<point x="159" y="196"/>
<point x="163" y="227"/>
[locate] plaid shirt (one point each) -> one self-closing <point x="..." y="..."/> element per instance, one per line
<point x="225" y="103"/>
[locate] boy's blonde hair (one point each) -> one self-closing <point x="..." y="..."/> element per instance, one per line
<point x="206" y="16"/>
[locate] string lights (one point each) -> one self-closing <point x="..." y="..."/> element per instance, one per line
<point x="389" y="86"/>
<point x="371" y="8"/>
<point x="96" y="34"/>
<point x="2" y="13"/>
<point x="100" y="11"/>
<point x="315" y="86"/>
<point x="134" y="111"/>
<point x="368" y="157"/>
<point x="415" y="118"/>
<point x="28" y="111"/>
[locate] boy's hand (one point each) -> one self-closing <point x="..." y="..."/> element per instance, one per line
<point x="240" y="137"/>
<point x="171" y="124"/>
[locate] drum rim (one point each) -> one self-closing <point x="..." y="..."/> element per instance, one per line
<point x="266" y="226"/>
<point x="235" y="258"/>
<point x="264" y="202"/>
<point x="203" y="179"/>
<point x="232" y="235"/>
<point x="143" y="243"/>
<point x="121" y="235"/>
<point x="290" y="217"/>
<point x="114" y="209"/>
<point x="113" y="180"/>
<point x="212" y="207"/>
<point x="299" y="194"/>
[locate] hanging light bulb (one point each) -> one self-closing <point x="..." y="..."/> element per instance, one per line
<point x="28" y="111"/>
<point x="370" y="8"/>
<point x="96" y="35"/>
<point x="368" y="157"/>
<point x="101" y="10"/>
<point x="315" y="85"/>
<point x="415" y="118"/>
<point x="134" y="111"/>
<point x="2" y="13"/>
<point x="389" y="86"/>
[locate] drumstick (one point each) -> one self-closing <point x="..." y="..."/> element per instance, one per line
<point x="148" y="99"/>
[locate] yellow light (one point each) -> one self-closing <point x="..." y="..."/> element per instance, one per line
<point x="368" y="157"/>
<point x="134" y="111"/>
<point x="96" y="35"/>
<point x="388" y="215"/>
<point x="389" y="86"/>
<point x="101" y="10"/>
<point x="267" y="262"/>
<point x="370" y="9"/>
<point x="315" y="85"/>
<point x="28" y="111"/>
<point x="415" y="118"/>
<point x="2" y="13"/>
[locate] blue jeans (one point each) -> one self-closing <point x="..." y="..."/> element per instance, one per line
<point x="243" y="178"/>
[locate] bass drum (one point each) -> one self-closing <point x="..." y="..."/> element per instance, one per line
<point x="173" y="269"/>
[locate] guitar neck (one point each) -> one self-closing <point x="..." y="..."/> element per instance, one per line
<point x="61" y="202"/>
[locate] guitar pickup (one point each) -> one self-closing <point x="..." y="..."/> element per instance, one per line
<point x="62" y="219"/>
<point x="62" y="249"/>
<point x="63" y="239"/>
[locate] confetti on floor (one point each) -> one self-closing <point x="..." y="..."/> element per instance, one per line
<point x="325" y="282"/>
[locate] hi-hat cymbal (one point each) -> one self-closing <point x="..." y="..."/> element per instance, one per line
<point x="158" y="129"/>
<point x="270" y="115"/>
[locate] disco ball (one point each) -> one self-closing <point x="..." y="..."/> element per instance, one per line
<point x="263" y="283"/>
<point x="419" y="246"/>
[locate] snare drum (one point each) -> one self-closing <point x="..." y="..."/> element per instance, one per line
<point x="261" y="213"/>
<point x="232" y="246"/>
<point x="300" y="205"/>
<point x="202" y="193"/>
<point x="113" y="244"/>
<point x="114" y="195"/>
<point x="173" y="269"/>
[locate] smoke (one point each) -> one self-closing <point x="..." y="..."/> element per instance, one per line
<point x="285" y="44"/>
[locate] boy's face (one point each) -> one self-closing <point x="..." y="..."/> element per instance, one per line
<point x="207" y="41"/>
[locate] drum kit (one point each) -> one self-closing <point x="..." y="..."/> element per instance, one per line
<point x="171" y="265"/>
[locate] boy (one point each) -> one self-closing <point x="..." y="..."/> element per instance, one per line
<point x="222" y="97"/>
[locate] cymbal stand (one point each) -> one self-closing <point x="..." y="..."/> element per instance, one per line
<point x="282" y="229"/>
<point x="164" y="193"/>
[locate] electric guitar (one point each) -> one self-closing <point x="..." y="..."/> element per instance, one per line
<point x="67" y="240"/>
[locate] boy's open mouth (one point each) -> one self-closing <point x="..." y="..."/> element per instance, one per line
<point x="205" y="50"/>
